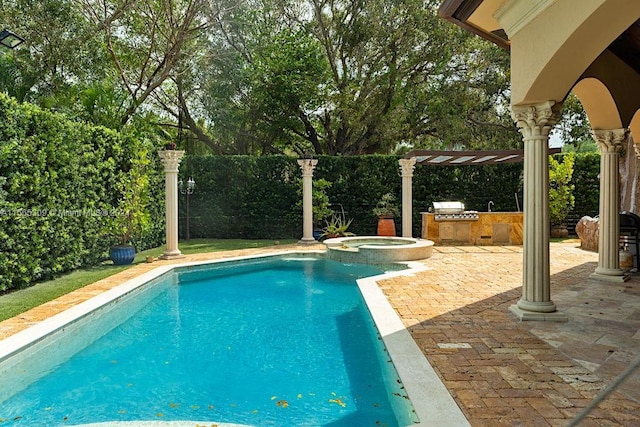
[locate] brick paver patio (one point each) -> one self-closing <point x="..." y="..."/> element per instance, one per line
<point x="505" y="372"/>
<point x="499" y="370"/>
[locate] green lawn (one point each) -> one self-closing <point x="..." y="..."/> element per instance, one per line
<point x="17" y="302"/>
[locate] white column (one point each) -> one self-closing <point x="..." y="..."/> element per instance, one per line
<point x="171" y="161"/>
<point x="307" y="166"/>
<point x="535" y="122"/>
<point x="406" y="169"/>
<point x="609" y="143"/>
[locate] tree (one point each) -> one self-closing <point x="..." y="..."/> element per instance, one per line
<point x="561" y="198"/>
<point x="469" y="106"/>
<point x="574" y="128"/>
<point x="352" y="77"/>
<point x="265" y="76"/>
<point x="60" y="52"/>
<point x="146" y="40"/>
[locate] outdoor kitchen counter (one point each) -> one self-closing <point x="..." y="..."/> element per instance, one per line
<point x="490" y="228"/>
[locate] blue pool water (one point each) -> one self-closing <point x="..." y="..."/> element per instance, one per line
<point x="288" y="342"/>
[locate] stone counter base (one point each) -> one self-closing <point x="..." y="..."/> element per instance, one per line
<point x="491" y="228"/>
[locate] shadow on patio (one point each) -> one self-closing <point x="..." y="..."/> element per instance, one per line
<point x="505" y="372"/>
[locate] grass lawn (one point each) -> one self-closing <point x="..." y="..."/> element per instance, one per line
<point x="14" y="303"/>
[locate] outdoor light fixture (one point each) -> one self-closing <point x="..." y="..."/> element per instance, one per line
<point x="9" y="39"/>
<point x="191" y="184"/>
<point x="187" y="190"/>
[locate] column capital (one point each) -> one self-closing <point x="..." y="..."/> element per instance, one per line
<point x="407" y="166"/>
<point x="171" y="159"/>
<point x="307" y="166"/>
<point x="536" y="120"/>
<point x="610" y="140"/>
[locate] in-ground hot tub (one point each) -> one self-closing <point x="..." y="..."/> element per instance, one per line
<point x="378" y="249"/>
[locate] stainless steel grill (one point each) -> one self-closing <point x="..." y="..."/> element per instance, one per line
<point x="453" y="211"/>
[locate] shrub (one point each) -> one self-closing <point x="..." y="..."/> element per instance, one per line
<point x="561" y="199"/>
<point x="61" y="182"/>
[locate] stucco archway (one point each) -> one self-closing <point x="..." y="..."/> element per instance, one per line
<point x="593" y="47"/>
<point x="598" y="103"/>
<point x="550" y="51"/>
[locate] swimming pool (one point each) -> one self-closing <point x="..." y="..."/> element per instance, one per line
<point x="255" y="336"/>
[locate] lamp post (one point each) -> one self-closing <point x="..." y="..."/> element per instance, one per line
<point x="187" y="190"/>
<point x="10" y="40"/>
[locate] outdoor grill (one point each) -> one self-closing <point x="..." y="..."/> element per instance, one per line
<point x="453" y="211"/>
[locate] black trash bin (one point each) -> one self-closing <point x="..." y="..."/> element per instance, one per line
<point x="630" y="234"/>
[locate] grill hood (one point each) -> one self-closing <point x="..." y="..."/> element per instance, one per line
<point x="448" y="207"/>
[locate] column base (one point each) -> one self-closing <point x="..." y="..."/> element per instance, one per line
<point x="526" y="315"/>
<point x="308" y="241"/>
<point x="172" y="255"/>
<point x="609" y="275"/>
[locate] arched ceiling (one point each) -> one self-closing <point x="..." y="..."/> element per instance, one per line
<point x="559" y="43"/>
<point x="598" y="103"/>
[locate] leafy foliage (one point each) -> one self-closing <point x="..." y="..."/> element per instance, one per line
<point x="354" y="78"/>
<point x="337" y="226"/>
<point x="386" y="206"/>
<point x="262" y="77"/>
<point x="561" y="199"/>
<point x="321" y="206"/>
<point x="62" y="183"/>
<point x="249" y="197"/>
<point x="587" y="185"/>
<point x="131" y="219"/>
<point x="573" y="127"/>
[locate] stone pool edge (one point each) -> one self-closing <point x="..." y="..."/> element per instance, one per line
<point x="431" y="400"/>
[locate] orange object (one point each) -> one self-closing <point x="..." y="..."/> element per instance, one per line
<point x="386" y="227"/>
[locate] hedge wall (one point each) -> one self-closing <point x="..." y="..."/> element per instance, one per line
<point x="60" y="181"/>
<point x="241" y="197"/>
<point x="248" y="197"/>
<point x="587" y="187"/>
<point x="58" y="186"/>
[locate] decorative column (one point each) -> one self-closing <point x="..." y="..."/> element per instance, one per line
<point x="535" y="122"/>
<point x="406" y="170"/>
<point x="609" y="143"/>
<point x="307" y="166"/>
<point x="171" y="161"/>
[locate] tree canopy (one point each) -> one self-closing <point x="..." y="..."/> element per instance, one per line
<point x="338" y="77"/>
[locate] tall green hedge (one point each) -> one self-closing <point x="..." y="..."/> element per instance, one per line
<point x="587" y="185"/>
<point x="57" y="189"/>
<point x="249" y="197"/>
<point x="60" y="181"/>
<point x="241" y="197"/>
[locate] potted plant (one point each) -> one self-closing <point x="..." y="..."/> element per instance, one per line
<point x="337" y="227"/>
<point x="131" y="219"/>
<point x="561" y="199"/>
<point x="386" y="210"/>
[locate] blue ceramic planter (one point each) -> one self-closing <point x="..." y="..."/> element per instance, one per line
<point x="122" y="255"/>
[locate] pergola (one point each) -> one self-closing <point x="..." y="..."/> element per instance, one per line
<point x="448" y="158"/>
<point x="460" y="158"/>
<point x="586" y="47"/>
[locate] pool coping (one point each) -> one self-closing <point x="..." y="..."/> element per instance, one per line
<point x="431" y="400"/>
<point x="373" y="250"/>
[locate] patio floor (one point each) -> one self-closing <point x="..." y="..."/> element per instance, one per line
<point x="499" y="370"/>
